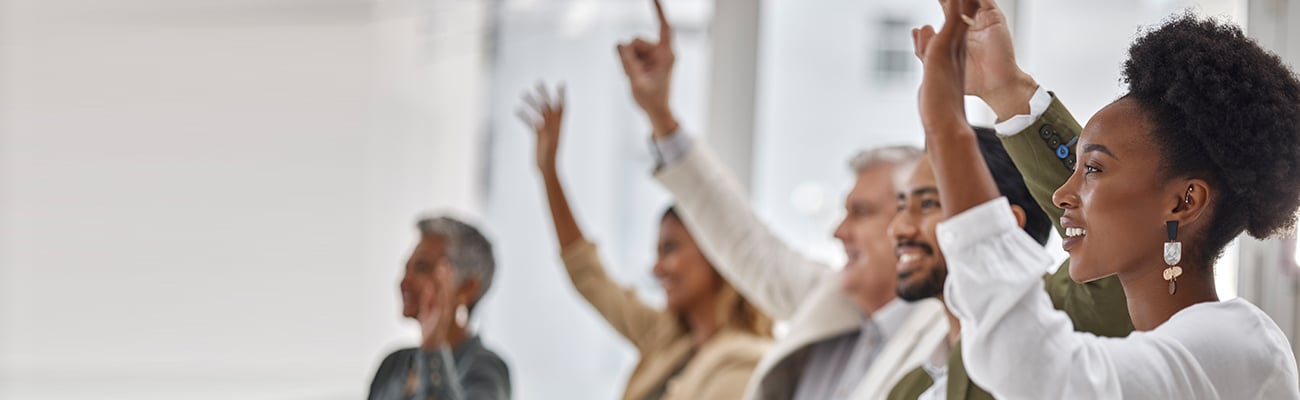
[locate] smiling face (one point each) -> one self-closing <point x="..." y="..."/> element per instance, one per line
<point x="868" y="209"/>
<point x="685" y="274"/>
<point x="921" y="268"/>
<point x="1116" y="202"/>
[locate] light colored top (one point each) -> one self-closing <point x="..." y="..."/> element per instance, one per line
<point x="789" y="286"/>
<point x="835" y="367"/>
<point x="1018" y="347"/>
<point x="1038" y="105"/>
<point x="717" y="370"/>
<point x="937" y="367"/>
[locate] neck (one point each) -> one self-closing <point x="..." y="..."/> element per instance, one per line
<point x="870" y="303"/>
<point x="954" y="325"/>
<point x="702" y="321"/>
<point x="456" y="335"/>
<point x="1149" y="301"/>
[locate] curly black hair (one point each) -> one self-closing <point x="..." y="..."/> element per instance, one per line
<point x="1227" y="111"/>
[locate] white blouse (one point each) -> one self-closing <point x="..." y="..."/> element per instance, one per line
<point x="1016" y="346"/>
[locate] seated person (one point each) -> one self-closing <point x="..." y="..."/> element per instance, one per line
<point x="707" y="341"/>
<point x="1204" y="146"/>
<point x="450" y="269"/>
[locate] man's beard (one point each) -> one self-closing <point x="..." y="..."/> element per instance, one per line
<point x="930" y="286"/>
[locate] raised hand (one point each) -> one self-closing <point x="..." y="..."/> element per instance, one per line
<point x="437" y="306"/>
<point x="963" y="179"/>
<point x="991" y="71"/>
<point x="943" y="53"/>
<point x="549" y="114"/>
<point x="649" y="69"/>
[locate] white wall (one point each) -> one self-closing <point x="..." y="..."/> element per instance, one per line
<point x="213" y="199"/>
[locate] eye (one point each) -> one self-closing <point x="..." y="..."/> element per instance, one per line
<point x="929" y="204"/>
<point x="1089" y="169"/>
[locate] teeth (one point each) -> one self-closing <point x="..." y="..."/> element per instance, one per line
<point x="1075" y="232"/>
<point x="908" y="257"/>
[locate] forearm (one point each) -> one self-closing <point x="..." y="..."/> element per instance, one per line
<point x="963" y="177"/>
<point x="567" y="231"/>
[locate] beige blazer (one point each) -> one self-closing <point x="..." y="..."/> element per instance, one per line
<point x="718" y="370"/>
<point x="785" y="284"/>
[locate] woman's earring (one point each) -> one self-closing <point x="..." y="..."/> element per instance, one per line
<point x="462" y="315"/>
<point x="1173" y="254"/>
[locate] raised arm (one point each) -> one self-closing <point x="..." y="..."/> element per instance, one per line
<point x="619" y="306"/>
<point x="713" y="206"/>
<point x="963" y="179"/>
<point x="1039" y="134"/>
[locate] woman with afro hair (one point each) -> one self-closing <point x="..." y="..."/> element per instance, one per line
<point x="1204" y="145"/>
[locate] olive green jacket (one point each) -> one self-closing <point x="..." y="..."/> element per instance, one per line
<point x="1045" y="155"/>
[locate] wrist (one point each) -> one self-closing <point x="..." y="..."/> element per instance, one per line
<point x="1012" y="99"/>
<point x="663" y="123"/>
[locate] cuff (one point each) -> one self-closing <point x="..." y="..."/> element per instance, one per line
<point x="1038" y="104"/>
<point x="991" y="219"/>
<point x="671" y="149"/>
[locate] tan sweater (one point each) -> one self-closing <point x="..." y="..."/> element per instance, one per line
<point x="718" y="370"/>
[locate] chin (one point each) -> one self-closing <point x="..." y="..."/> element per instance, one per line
<point x="1081" y="274"/>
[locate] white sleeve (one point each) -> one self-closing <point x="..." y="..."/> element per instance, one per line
<point x="1017" y="346"/>
<point x="1037" y="106"/>
<point x="743" y="250"/>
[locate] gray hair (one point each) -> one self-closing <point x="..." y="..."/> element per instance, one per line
<point x="902" y="158"/>
<point x="468" y="250"/>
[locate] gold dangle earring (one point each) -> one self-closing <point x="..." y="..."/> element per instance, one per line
<point x="1173" y="254"/>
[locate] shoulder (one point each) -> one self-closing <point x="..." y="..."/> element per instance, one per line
<point x="1232" y="337"/>
<point x="398" y="357"/>
<point x="734" y="348"/>
<point x="486" y="360"/>
<point x="911" y="385"/>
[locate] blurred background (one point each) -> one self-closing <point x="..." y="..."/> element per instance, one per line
<point x="214" y="199"/>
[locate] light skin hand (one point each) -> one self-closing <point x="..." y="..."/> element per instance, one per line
<point x="649" y="70"/>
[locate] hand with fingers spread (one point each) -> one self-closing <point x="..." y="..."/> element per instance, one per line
<point x="649" y="69"/>
<point x="549" y="114"/>
<point x="438" y="307"/>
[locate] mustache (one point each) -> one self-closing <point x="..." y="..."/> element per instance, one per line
<point x="925" y="247"/>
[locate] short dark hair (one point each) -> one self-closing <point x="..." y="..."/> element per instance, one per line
<point x="1224" y="110"/>
<point x="1011" y="184"/>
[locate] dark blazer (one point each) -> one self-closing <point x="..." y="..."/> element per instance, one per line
<point x="469" y="372"/>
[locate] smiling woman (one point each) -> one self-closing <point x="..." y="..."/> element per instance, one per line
<point x="708" y="340"/>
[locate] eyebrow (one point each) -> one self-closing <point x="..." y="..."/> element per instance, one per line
<point x="925" y="190"/>
<point x="1100" y="148"/>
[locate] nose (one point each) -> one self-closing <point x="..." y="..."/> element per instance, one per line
<point x="1067" y="196"/>
<point x="842" y="230"/>
<point x="659" y="269"/>
<point x="902" y="226"/>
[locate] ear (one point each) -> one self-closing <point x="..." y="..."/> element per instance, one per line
<point x="1189" y="201"/>
<point x="1020" y="215"/>
<point x="467" y="290"/>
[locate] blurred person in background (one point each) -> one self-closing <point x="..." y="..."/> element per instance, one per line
<point x="449" y="271"/>
<point x="850" y="336"/>
<point x="1204" y="145"/>
<point x="707" y="341"/>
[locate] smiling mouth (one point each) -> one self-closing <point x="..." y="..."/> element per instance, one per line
<point x="1075" y="232"/>
<point x="909" y="257"/>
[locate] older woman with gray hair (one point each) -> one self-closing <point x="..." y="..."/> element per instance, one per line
<point x="450" y="269"/>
